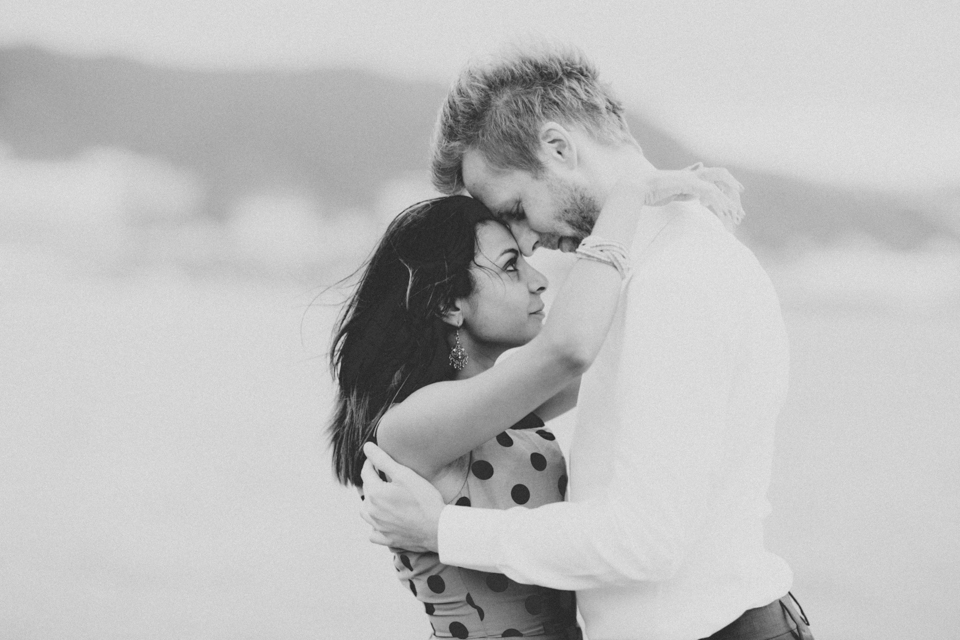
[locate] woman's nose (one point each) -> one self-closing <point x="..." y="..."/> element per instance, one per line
<point x="538" y="281"/>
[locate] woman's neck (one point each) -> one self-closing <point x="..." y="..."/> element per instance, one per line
<point x="479" y="359"/>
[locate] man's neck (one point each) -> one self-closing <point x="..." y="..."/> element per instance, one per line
<point x="613" y="163"/>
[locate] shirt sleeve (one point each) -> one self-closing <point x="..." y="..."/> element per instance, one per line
<point x="675" y="376"/>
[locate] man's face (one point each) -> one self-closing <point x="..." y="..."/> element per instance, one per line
<point x="549" y="211"/>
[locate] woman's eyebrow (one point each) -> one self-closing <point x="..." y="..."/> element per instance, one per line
<point x="510" y="250"/>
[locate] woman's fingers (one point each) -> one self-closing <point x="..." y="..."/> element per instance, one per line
<point x="715" y="187"/>
<point x="727" y="204"/>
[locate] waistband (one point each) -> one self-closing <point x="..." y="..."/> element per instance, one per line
<point x="776" y="618"/>
<point x="570" y="633"/>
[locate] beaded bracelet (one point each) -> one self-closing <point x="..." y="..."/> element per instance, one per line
<point x="605" y="251"/>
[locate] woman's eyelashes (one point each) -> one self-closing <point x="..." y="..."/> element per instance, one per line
<point x="512" y="257"/>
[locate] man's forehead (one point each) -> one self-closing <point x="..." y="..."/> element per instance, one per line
<point x="476" y="169"/>
<point x="483" y="181"/>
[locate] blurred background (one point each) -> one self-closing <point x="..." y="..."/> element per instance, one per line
<point x="181" y="182"/>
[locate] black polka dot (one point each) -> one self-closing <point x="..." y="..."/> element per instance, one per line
<point x="511" y="633"/>
<point x="530" y="421"/>
<point x="505" y="440"/>
<point x="534" y="604"/>
<point x="463" y="502"/>
<point x="482" y="469"/>
<point x="406" y="561"/>
<point x="457" y="630"/>
<point x="546" y="435"/>
<point x="538" y="461"/>
<point x="497" y="582"/>
<point x="520" y="494"/>
<point x="479" y="609"/>
<point x="429" y="608"/>
<point x="562" y="485"/>
<point x="413" y="587"/>
<point x="436" y="584"/>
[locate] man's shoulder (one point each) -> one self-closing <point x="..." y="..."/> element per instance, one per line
<point x="690" y="233"/>
<point x="692" y="253"/>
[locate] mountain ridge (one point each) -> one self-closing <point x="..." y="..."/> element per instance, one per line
<point x="338" y="133"/>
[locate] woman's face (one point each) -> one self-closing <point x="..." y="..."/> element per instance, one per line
<point x="505" y="309"/>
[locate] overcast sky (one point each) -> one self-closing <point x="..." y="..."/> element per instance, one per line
<point x="857" y="92"/>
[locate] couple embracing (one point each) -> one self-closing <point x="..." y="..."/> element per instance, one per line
<point x="666" y="335"/>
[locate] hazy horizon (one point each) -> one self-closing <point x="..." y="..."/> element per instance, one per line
<point x="852" y="92"/>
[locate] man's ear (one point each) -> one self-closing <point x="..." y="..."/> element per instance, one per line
<point x="453" y="315"/>
<point x="557" y="145"/>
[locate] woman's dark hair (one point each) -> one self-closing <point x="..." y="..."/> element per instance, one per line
<point x="390" y="339"/>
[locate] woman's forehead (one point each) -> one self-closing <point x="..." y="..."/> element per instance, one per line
<point x="493" y="240"/>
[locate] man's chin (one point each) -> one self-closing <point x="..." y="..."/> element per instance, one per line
<point x="568" y="244"/>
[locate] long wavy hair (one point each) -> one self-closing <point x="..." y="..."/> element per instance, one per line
<point x="390" y="338"/>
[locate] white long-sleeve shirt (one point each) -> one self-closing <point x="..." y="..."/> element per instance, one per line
<point x="670" y="460"/>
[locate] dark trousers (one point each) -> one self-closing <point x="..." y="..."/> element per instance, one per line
<point x="782" y="619"/>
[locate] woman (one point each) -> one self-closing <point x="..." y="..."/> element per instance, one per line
<point x="444" y="295"/>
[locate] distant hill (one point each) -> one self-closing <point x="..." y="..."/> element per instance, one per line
<point x="338" y="134"/>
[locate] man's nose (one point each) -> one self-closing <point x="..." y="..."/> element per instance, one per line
<point x="527" y="239"/>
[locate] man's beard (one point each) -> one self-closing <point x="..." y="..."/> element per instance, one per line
<point x="577" y="208"/>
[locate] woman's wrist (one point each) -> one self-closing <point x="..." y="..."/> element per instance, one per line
<point x="597" y="249"/>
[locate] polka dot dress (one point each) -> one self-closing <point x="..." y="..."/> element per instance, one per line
<point x="522" y="466"/>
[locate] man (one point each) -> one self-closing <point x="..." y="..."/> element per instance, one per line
<point x="670" y="460"/>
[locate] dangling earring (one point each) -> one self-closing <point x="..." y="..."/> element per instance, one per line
<point x="458" y="355"/>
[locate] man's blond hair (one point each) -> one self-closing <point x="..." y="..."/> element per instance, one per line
<point x="498" y="107"/>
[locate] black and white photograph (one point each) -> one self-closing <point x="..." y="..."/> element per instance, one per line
<point x="563" y="320"/>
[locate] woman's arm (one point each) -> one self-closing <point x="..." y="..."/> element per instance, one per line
<point x="443" y="421"/>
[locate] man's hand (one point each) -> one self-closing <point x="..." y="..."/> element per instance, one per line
<point x="404" y="511"/>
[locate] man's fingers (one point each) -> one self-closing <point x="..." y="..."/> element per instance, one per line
<point x="365" y="514"/>
<point x="368" y="475"/>
<point x="382" y="461"/>
<point x="378" y="538"/>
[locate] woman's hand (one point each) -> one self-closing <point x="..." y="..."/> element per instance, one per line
<point x="713" y="186"/>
